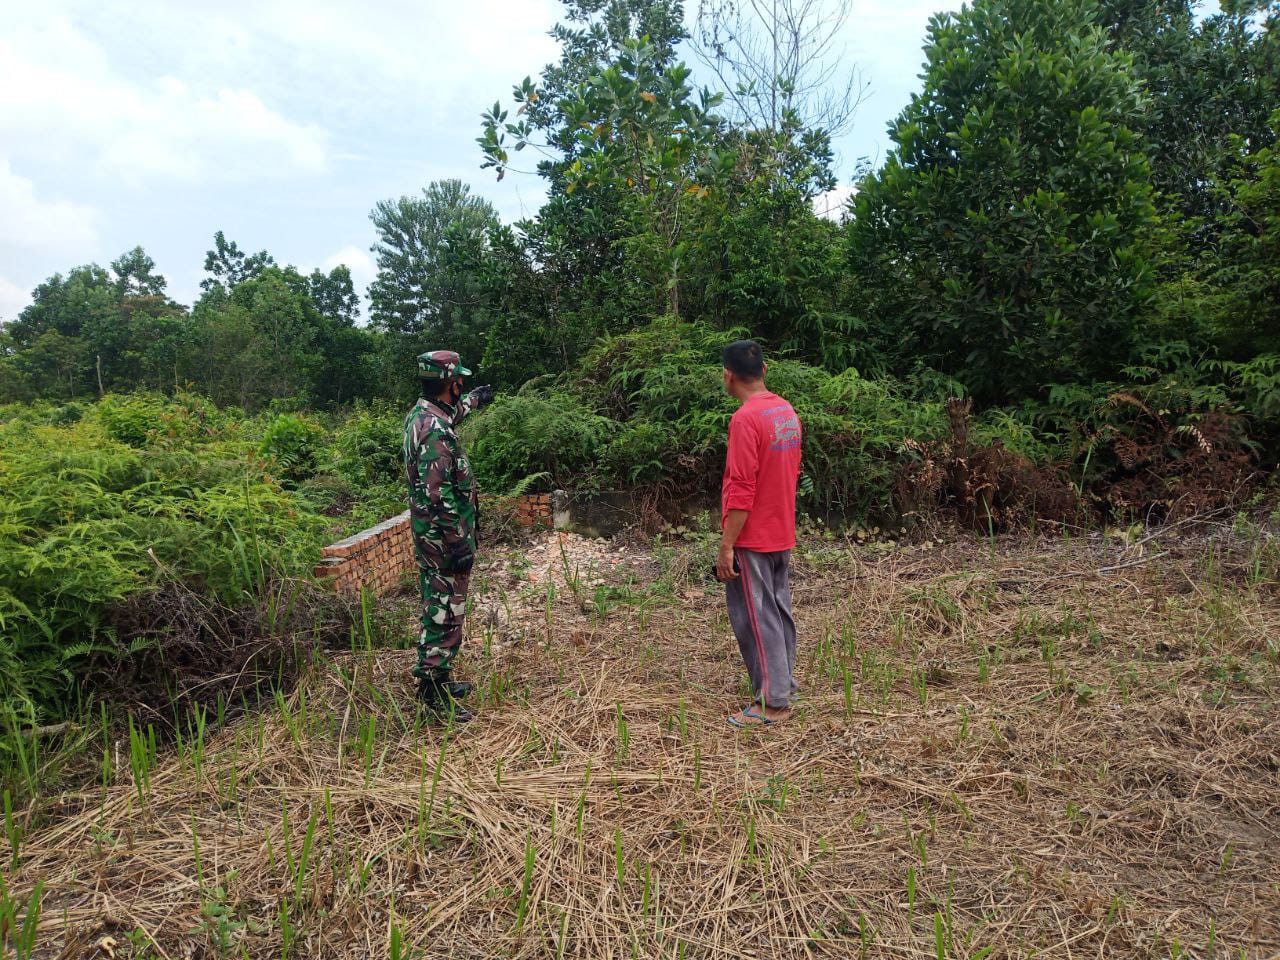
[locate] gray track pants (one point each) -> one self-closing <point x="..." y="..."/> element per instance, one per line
<point x="760" y="612"/>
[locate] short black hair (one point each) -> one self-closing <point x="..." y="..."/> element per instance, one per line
<point x="432" y="387"/>
<point x="745" y="359"/>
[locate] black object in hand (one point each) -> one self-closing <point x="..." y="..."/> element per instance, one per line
<point x="462" y="560"/>
<point x="715" y="570"/>
<point x="482" y="396"/>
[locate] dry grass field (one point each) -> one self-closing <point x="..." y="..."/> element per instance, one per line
<point x="1060" y="748"/>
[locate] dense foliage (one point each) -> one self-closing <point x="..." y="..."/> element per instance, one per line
<point x="103" y="502"/>
<point x="258" y="333"/>
<point x="1004" y="240"/>
<point x="647" y="409"/>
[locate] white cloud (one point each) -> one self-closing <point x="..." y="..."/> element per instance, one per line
<point x="61" y="95"/>
<point x="439" y="49"/>
<point x="29" y="223"/>
<point x="12" y="299"/>
<point x="230" y="133"/>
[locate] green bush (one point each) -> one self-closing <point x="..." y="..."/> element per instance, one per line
<point x="526" y="434"/>
<point x="368" y="445"/>
<point x="150" y="420"/>
<point x="1257" y="383"/>
<point x="638" y="453"/>
<point x="152" y="497"/>
<point x="67" y="413"/>
<point x="649" y="408"/>
<point x="132" y="418"/>
<point x="87" y="520"/>
<point x="665" y="370"/>
<point x="1016" y="429"/>
<point x="293" y="444"/>
<point x="192" y="419"/>
<point x="856" y="437"/>
<point x="42" y="412"/>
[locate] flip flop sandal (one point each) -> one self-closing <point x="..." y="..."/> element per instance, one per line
<point x="756" y="719"/>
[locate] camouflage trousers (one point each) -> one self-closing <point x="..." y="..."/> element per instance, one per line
<point x="444" y="606"/>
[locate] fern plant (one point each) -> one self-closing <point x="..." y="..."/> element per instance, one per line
<point x="88" y="520"/>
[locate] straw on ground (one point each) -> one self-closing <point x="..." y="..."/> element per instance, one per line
<point x="1000" y="751"/>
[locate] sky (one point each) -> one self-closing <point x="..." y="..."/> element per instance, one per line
<point x="282" y="122"/>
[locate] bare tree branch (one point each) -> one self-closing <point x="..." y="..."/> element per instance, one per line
<point x="780" y="58"/>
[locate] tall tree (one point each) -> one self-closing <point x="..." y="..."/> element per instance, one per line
<point x="345" y="371"/>
<point x="136" y="275"/>
<point x="575" y="244"/>
<point x="15" y="382"/>
<point x="150" y="330"/>
<point x="1210" y="81"/>
<point x="275" y="334"/>
<point x="627" y="145"/>
<point x="535" y="327"/>
<point x="334" y="294"/>
<point x="760" y="259"/>
<point x="592" y="35"/>
<point x="71" y="322"/>
<point x="1005" y="238"/>
<point x="258" y="341"/>
<point x="1246" y="276"/>
<point x="93" y="330"/>
<point x="228" y="265"/>
<point x="642" y="134"/>
<point x="410" y="295"/>
<point x="64" y="304"/>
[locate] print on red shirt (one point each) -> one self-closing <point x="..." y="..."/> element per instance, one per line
<point x="786" y="427"/>
<point x="761" y="472"/>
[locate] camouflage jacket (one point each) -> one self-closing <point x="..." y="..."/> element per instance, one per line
<point x="443" y="500"/>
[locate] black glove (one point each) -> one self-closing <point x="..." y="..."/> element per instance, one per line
<point x="462" y="559"/>
<point x="480" y="397"/>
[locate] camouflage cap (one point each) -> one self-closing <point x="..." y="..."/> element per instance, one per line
<point x="441" y="365"/>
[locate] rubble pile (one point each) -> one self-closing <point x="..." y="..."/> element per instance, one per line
<point x="568" y="560"/>
<point x="510" y="606"/>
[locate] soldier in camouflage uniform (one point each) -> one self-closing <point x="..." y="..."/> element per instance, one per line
<point x="443" y="509"/>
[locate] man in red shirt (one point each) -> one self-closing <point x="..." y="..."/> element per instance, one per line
<point x="758" y="523"/>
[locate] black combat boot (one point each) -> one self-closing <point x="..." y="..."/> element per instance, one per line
<point x="458" y="688"/>
<point x="435" y="697"/>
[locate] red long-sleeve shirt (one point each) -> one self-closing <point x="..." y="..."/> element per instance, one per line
<point x="761" y="472"/>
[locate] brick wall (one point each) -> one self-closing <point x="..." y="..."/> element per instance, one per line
<point x="535" y="510"/>
<point x="378" y="559"/>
